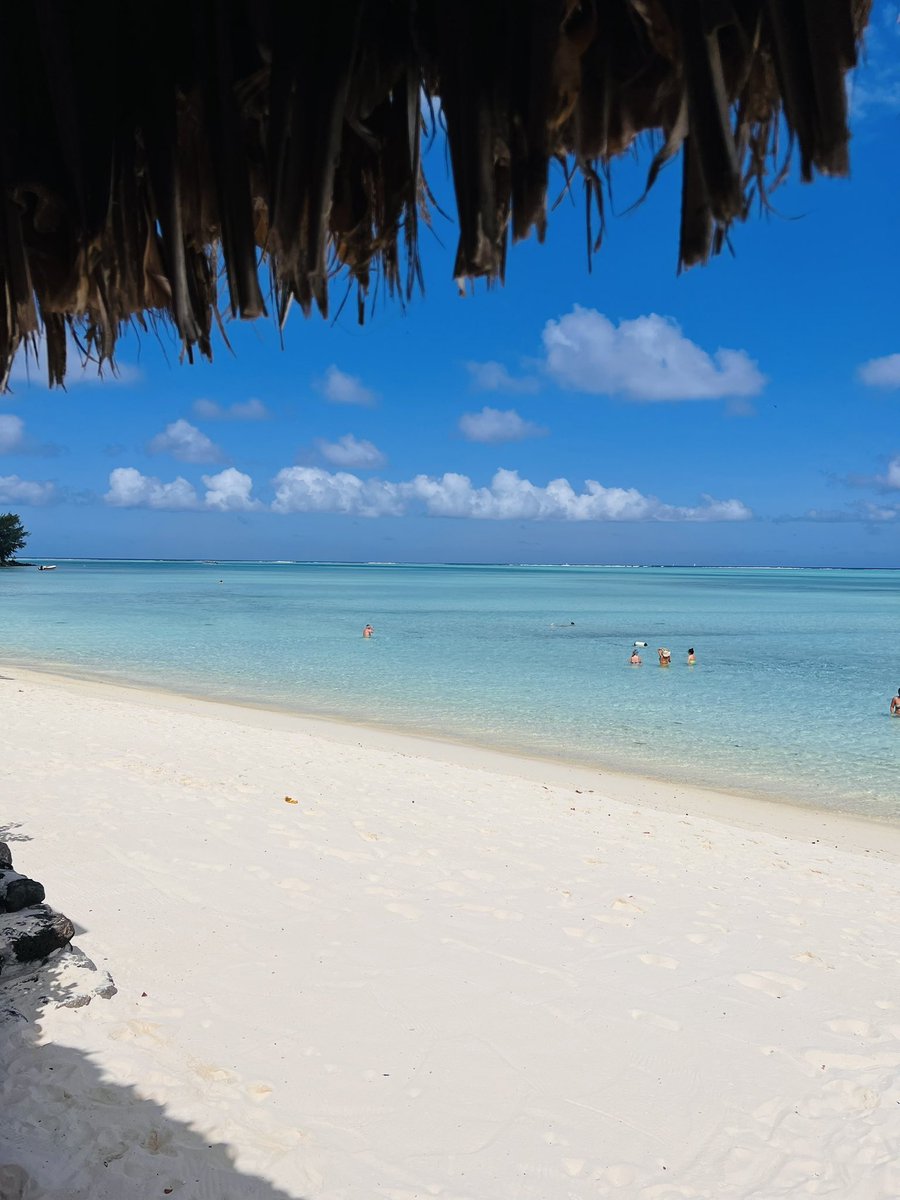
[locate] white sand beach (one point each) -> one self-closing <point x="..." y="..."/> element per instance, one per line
<point x="440" y="973"/>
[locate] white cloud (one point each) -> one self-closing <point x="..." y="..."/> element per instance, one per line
<point x="311" y="489"/>
<point x="14" y="490"/>
<point x="881" y="372"/>
<point x="339" y="388"/>
<point x="879" y="512"/>
<point x="186" y="443"/>
<point x="648" y="358"/>
<point x="248" y="410"/>
<point x="349" y="451"/>
<point x="12" y="430"/>
<point x="863" y="512"/>
<point x="30" y="367"/>
<point x="493" y="425"/>
<point x="509" y="497"/>
<point x="229" y="491"/>
<point x="128" y="488"/>
<point x="494" y="377"/>
<point x="875" y="84"/>
<point x="892" y="478"/>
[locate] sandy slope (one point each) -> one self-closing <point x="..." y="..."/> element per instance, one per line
<point x="432" y="979"/>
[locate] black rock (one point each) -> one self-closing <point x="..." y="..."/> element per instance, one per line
<point x="18" y="892"/>
<point x="31" y="936"/>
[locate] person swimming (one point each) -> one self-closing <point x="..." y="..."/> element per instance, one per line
<point x="895" y="704"/>
<point x="368" y="631"/>
<point x="665" y="657"/>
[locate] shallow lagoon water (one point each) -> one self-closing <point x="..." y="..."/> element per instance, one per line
<point x="789" y="697"/>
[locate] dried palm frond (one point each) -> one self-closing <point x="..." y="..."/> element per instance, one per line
<point x="143" y="144"/>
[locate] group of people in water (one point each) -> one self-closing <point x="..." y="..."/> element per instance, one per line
<point x="665" y="656"/>
<point x="665" y="660"/>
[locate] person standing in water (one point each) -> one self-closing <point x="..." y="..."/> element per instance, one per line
<point x="665" y="657"/>
<point x="635" y="659"/>
<point x="368" y="631"/>
<point x="692" y="658"/>
<point x="895" y="704"/>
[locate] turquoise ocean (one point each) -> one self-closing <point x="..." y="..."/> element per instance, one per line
<point x="788" y="700"/>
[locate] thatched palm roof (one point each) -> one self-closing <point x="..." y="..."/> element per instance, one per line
<point x="141" y="144"/>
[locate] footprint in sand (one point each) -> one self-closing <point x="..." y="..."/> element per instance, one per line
<point x="852" y="1027"/>
<point x="454" y="889"/>
<point x="552" y="1138"/>
<point x="404" y="910"/>
<point x="628" y="903"/>
<point x="212" y="1074"/>
<point x="620" y="1175"/>
<point x="294" y="885"/>
<point x="155" y="1142"/>
<point x="655" y="1019"/>
<point x="137" y="1029"/>
<point x="826" y="1060"/>
<point x="770" y="983"/>
<point x="659" y="960"/>
<point x="813" y="959"/>
<point x="841" y="1096"/>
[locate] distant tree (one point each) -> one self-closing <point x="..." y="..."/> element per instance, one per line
<point x="13" y="535"/>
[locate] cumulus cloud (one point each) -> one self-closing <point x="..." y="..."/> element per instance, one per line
<point x="340" y="388"/>
<point x="247" y="410"/>
<point x="312" y="489"/>
<point x="229" y="491"/>
<point x="881" y="372"/>
<point x="12" y="432"/>
<point x="494" y="425"/>
<point x="14" y="440"/>
<point x="508" y="497"/>
<point x="349" y="451"/>
<point x="494" y="377"/>
<point x="891" y="478"/>
<point x="874" y="87"/>
<point x="30" y="367"/>
<point x="185" y="442"/>
<point x="648" y="358"/>
<point x="14" y="490"/>
<point x="863" y="512"/>
<point x="128" y="488"/>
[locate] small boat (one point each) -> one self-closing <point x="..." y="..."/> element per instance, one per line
<point x="51" y="567"/>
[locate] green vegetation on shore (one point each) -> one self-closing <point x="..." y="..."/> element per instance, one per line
<point x="13" y="536"/>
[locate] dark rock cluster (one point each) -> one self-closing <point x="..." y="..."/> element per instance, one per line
<point x="31" y="935"/>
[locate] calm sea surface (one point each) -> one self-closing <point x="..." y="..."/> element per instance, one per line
<point x="789" y="697"/>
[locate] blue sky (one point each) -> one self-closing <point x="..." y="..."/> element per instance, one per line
<point x="746" y="412"/>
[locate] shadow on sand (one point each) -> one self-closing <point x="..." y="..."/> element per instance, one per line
<point x="67" y="1133"/>
<point x="8" y="833"/>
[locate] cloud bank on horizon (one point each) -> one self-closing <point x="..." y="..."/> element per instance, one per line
<point x="507" y="498"/>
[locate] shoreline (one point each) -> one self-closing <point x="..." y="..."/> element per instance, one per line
<point x="353" y="963"/>
<point x="786" y="817"/>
